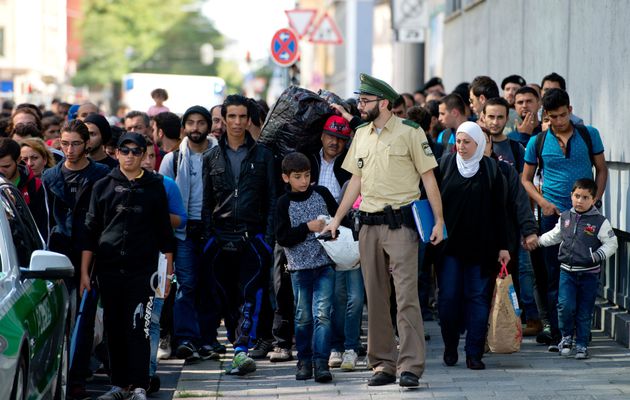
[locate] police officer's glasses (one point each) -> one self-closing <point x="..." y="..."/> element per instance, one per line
<point x="136" y="151"/>
<point x="363" y="102"/>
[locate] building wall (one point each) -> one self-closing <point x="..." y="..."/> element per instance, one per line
<point x="584" y="41"/>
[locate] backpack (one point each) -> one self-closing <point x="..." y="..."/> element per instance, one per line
<point x="175" y="162"/>
<point x="582" y="131"/>
<point x="446" y="137"/>
<point x="516" y="152"/>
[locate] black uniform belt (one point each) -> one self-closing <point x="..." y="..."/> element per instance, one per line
<point x="379" y="218"/>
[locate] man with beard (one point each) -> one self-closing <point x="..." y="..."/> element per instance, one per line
<point x="166" y="131"/>
<point x="387" y="159"/>
<point x="100" y="133"/>
<point x="195" y="317"/>
<point x="526" y="104"/>
<point x="218" y="125"/>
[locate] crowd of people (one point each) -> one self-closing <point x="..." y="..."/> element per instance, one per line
<point x="176" y="223"/>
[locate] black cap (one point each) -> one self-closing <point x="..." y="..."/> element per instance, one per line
<point x="133" y="137"/>
<point x="513" y="79"/>
<point x="102" y="124"/>
<point x="197" y="110"/>
<point x="432" y="82"/>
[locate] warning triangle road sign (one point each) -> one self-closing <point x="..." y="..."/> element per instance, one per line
<point x="326" y="32"/>
<point x="301" y="20"/>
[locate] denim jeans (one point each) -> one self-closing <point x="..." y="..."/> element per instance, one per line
<point x="550" y="255"/>
<point x="528" y="284"/>
<point x="313" y="292"/>
<point x="154" y="333"/>
<point x="464" y="291"/>
<point x="576" y="301"/>
<point x="347" y="310"/>
<point x="194" y="313"/>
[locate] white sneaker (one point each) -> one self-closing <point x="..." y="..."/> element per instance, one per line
<point x="565" y="346"/>
<point x="349" y="360"/>
<point x="164" y="349"/>
<point x="138" y="394"/>
<point x="334" y="361"/>
<point x="115" y="393"/>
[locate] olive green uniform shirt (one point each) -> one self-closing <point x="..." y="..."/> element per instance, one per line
<point x="390" y="163"/>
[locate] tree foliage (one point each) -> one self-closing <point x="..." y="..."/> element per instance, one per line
<point x="162" y="36"/>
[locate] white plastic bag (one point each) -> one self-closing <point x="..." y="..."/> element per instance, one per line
<point x="344" y="251"/>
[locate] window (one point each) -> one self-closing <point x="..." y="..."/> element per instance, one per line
<point x="26" y="238"/>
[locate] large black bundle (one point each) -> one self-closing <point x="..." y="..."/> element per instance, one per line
<point x="295" y="122"/>
<point x="332" y="98"/>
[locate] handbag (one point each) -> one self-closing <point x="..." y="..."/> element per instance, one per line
<point x="504" y="327"/>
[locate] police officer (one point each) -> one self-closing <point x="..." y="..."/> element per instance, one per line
<point x="387" y="159"/>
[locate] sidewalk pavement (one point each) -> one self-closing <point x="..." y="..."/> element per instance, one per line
<point x="531" y="374"/>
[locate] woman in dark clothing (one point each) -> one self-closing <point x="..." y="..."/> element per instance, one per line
<point x="472" y="192"/>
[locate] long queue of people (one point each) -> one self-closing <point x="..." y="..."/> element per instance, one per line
<point x="232" y="228"/>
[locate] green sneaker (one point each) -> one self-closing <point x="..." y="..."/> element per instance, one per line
<point x="242" y="364"/>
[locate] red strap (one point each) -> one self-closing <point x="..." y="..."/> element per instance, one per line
<point x="504" y="271"/>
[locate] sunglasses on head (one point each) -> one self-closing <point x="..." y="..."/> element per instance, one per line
<point x="136" y="151"/>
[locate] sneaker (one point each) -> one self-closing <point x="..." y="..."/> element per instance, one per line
<point x="218" y="347"/>
<point x="164" y="349"/>
<point x="186" y="351"/>
<point x="544" y="337"/>
<point x="206" y="353"/>
<point x="334" y="361"/>
<point x="322" y="372"/>
<point x="261" y="349"/>
<point x="138" y="394"/>
<point x="241" y="364"/>
<point x="115" y="393"/>
<point x="581" y="353"/>
<point x="154" y="384"/>
<point x="565" y="346"/>
<point x="349" y="361"/>
<point x="280" y="354"/>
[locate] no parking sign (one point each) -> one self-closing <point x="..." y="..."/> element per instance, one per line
<point x="284" y="47"/>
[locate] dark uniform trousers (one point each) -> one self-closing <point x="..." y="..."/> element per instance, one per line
<point x="382" y="249"/>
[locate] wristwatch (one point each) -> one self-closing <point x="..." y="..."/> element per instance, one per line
<point x="598" y="203"/>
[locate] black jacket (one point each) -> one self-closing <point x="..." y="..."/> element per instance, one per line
<point x="341" y="174"/>
<point x="248" y="207"/>
<point x="69" y="221"/>
<point x="128" y="224"/>
<point x="520" y="217"/>
<point x="34" y="194"/>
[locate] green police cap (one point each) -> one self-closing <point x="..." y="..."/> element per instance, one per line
<point x="376" y="87"/>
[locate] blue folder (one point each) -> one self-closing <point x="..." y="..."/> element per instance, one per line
<point x="423" y="214"/>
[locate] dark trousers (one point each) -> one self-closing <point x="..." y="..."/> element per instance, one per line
<point x="283" y="290"/>
<point x="83" y="348"/>
<point x="239" y="271"/>
<point x="552" y="263"/>
<point x="127" y="305"/>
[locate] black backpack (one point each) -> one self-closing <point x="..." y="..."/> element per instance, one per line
<point x="582" y="131"/>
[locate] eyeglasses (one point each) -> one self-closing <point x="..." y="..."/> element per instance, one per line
<point x="363" y="102"/>
<point x="70" y="144"/>
<point x="136" y="151"/>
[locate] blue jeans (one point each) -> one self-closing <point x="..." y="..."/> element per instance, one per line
<point x="194" y="311"/>
<point x="576" y="301"/>
<point x="464" y="291"/>
<point x="154" y="333"/>
<point x="313" y="292"/>
<point x="527" y="284"/>
<point x="550" y="255"/>
<point x="347" y="310"/>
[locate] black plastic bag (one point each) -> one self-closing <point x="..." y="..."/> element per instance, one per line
<point x="332" y="98"/>
<point x="295" y="122"/>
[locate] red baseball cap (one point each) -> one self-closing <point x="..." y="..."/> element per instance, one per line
<point x="338" y="126"/>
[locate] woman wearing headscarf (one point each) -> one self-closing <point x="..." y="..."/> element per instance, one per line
<point x="472" y="190"/>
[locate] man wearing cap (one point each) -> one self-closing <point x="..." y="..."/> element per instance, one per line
<point x="509" y="86"/>
<point x="100" y="133"/>
<point x="126" y="227"/>
<point x="387" y="159"/>
<point x="195" y="315"/>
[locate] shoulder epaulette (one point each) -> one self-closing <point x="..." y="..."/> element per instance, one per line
<point x="410" y="123"/>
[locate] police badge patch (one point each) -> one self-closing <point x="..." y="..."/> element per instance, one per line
<point x="427" y="149"/>
<point x="360" y="163"/>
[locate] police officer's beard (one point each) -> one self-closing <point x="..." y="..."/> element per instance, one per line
<point x="372" y="115"/>
<point x="196" y="136"/>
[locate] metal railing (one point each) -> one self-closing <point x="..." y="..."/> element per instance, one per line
<point x="615" y="277"/>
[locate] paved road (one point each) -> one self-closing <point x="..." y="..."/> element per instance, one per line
<point x="532" y="374"/>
